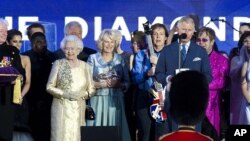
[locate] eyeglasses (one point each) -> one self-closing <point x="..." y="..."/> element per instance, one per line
<point x="201" y="39"/>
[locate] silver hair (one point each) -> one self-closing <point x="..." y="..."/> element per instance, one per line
<point x="4" y="22"/>
<point x="186" y="19"/>
<point x="72" y="38"/>
<point x="71" y="24"/>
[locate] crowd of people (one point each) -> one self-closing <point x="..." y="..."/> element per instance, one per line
<point x="179" y="77"/>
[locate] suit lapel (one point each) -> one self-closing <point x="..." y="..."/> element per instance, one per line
<point x="175" y="51"/>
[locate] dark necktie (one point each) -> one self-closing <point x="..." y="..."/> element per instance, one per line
<point x="183" y="52"/>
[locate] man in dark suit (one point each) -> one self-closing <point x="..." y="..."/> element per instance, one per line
<point x="75" y="28"/>
<point x="7" y="107"/>
<point x="169" y="62"/>
<point x="38" y="99"/>
<point x="182" y="55"/>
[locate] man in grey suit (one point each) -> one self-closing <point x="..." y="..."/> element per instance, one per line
<point x="182" y="55"/>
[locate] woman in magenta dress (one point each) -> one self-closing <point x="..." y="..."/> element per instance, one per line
<point x="220" y="69"/>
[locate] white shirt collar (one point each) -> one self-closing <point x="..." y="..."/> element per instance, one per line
<point x="186" y="45"/>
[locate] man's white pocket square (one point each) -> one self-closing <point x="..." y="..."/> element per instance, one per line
<point x="196" y="59"/>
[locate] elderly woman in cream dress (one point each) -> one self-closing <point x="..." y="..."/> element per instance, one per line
<point x="70" y="82"/>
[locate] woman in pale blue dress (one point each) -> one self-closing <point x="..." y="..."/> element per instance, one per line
<point x="111" y="80"/>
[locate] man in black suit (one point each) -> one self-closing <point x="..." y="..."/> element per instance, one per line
<point x="7" y="107"/>
<point x="75" y="28"/>
<point x="38" y="99"/>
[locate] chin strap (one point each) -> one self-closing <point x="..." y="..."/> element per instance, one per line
<point x="186" y="128"/>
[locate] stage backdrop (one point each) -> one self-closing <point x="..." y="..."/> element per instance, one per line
<point x="224" y="16"/>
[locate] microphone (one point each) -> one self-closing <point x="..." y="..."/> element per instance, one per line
<point x="183" y="36"/>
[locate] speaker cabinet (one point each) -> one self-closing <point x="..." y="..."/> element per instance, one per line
<point x="98" y="133"/>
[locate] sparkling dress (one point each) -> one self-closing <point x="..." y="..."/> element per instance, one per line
<point x="220" y="69"/>
<point x="68" y="115"/>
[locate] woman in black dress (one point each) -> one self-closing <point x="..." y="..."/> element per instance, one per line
<point x="21" y="127"/>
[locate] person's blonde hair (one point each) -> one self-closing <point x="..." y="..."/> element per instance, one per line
<point x="118" y="36"/>
<point x="72" y="24"/>
<point x="106" y="34"/>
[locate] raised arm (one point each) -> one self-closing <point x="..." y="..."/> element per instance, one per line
<point x="140" y="67"/>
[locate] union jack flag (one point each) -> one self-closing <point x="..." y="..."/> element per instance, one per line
<point x="157" y="111"/>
